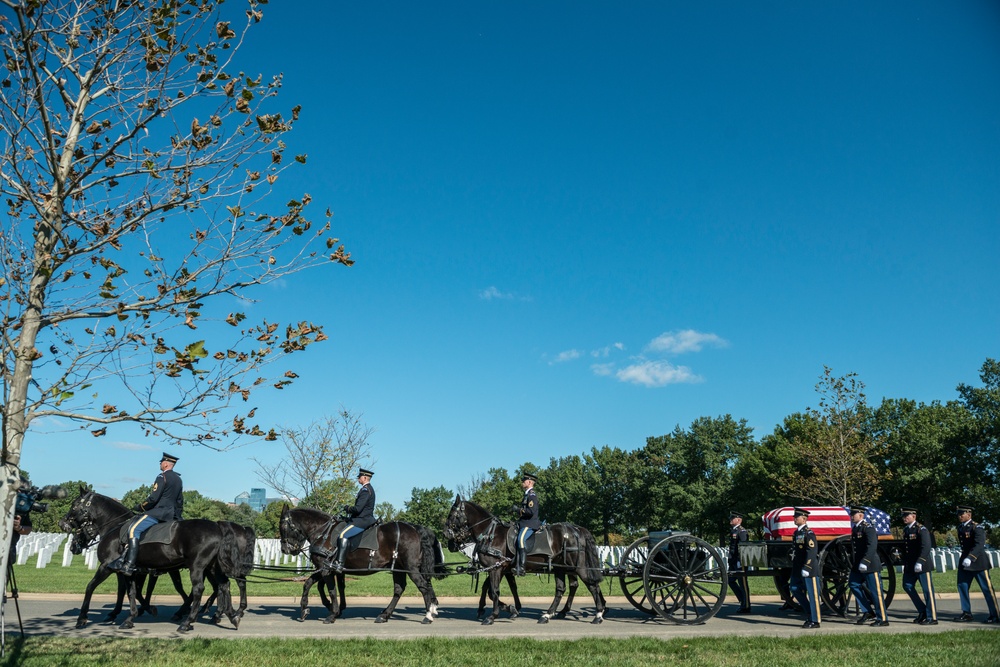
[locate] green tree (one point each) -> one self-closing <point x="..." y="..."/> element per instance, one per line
<point x="386" y="511"/>
<point x="136" y="496"/>
<point x="983" y="446"/>
<point x="498" y="492"/>
<point x="687" y="475"/>
<point x="330" y="495"/>
<point x="841" y="457"/>
<point x="197" y="506"/>
<point x="136" y="160"/>
<point x="927" y="457"/>
<point x="266" y="522"/>
<point x="428" y="507"/>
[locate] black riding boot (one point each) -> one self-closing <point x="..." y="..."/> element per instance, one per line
<point x="519" y="562"/>
<point x="338" y="562"/>
<point x="125" y="564"/>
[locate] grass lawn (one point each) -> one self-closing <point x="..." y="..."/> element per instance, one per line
<point x="968" y="648"/>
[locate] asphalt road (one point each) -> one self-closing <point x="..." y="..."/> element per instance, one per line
<point x="275" y="617"/>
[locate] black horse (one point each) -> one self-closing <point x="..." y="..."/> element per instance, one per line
<point x="196" y="546"/>
<point x="574" y="554"/>
<point x="403" y="549"/>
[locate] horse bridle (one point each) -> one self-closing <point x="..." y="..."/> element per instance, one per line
<point x="466" y="533"/>
<point x="88" y="528"/>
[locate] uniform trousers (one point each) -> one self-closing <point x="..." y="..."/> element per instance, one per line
<point x="805" y="590"/>
<point x="965" y="578"/>
<point x="867" y="589"/>
<point x="926" y="606"/>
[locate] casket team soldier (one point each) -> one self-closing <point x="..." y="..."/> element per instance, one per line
<point x="918" y="567"/>
<point x="804" y="582"/>
<point x="973" y="564"/>
<point x="865" y="582"/>
<point x="737" y="576"/>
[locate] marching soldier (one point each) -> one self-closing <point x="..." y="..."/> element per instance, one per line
<point x="737" y="577"/>
<point x="804" y="582"/>
<point x="163" y="504"/>
<point x="527" y="520"/>
<point x="918" y="567"/>
<point x="361" y="515"/>
<point x="974" y="564"/>
<point x="865" y="582"/>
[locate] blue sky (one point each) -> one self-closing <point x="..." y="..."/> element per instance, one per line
<point x="580" y="224"/>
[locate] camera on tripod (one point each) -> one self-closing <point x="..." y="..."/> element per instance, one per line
<point x="28" y="498"/>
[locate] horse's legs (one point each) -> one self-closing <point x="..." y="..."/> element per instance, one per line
<point x="560" y="589"/>
<point x="331" y="585"/>
<point x="122" y="584"/>
<point x="423" y="584"/>
<point x="145" y="602"/>
<point x="482" y="602"/>
<point x="574" y="583"/>
<point x="398" y="586"/>
<point x="175" y="578"/>
<point x="595" y="589"/>
<point x="340" y="589"/>
<point x="241" y="583"/>
<point x="512" y="582"/>
<point x="129" y="622"/>
<point x="495" y="575"/>
<point x="99" y="577"/>
<point x="197" y="573"/>
<point x="306" y="587"/>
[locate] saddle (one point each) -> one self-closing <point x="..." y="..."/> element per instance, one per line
<point x="367" y="539"/>
<point x="159" y="533"/>
<point x="533" y="545"/>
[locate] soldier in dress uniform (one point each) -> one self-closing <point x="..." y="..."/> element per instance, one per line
<point x="737" y="576"/>
<point x="361" y="515"/>
<point x="973" y="564"/>
<point x="865" y="580"/>
<point x="804" y="582"/>
<point x="528" y="520"/>
<point x="163" y="504"/>
<point x="918" y="566"/>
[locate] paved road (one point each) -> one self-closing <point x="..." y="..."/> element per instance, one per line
<point x="273" y="617"/>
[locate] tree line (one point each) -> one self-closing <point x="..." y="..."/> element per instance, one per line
<point x="900" y="453"/>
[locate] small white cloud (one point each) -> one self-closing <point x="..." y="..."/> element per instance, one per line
<point x="568" y="355"/>
<point x="603" y="369"/>
<point x="492" y="292"/>
<point x="603" y="352"/>
<point x="656" y="374"/>
<point x="688" y="340"/>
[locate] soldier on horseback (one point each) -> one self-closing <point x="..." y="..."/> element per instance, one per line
<point x="165" y="503"/>
<point x="361" y="514"/>
<point x="527" y="520"/>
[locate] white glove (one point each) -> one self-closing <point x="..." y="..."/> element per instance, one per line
<point x="862" y="568"/>
<point x="805" y="573"/>
<point x="918" y="568"/>
<point x="966" y="562"/>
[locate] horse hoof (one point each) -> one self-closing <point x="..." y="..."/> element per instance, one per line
<point x="561" y="615"/>
<point x="127" y="625"/>
<point x="82" y="623"/>
<point x="235" y="621"/>
<point x="487" y="621"/>
<point x="597" y="621"/>
<point x="329" y="619"/>
<point x="381" y="619"/>
<point x="543" y="620"/>
<point x="514" y="615"/>
<point x="426" y="621"/>
<point x="184" y="628"/>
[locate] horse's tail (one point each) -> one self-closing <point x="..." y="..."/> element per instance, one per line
<point x="229" y="551"/>
<point x="594" y="568"/>
<point x="431" y="555"/>
<point x="247" y="550"/>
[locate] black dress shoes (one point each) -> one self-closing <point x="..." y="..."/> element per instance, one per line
<point x="928" y="621"/>
<point x="809" y="625"/>
<point x="992" y="619"/>
<point x="743" y="610"/>
<point x="920" y="619"/>
<point x="966" y="617"/>
<point x="879" y="624"/>
<point x="864" y="618"/>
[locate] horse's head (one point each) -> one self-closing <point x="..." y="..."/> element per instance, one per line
<point x="293" y="539"/>
<point x="79" y="522"/>
<point x="457" y="529"/>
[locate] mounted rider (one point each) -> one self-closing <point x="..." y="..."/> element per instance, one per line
<point x="527" y="520"/>
<point x="361" y="515"/>
<point x="165" y="503"/>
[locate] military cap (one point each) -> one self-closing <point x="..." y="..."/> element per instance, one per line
<point x="169" y="457"/>
<point x="907" y="510"/>
<point x="528" y="475"/>
<point x="963" y="508"/>
<point x="735" y="515"/>
<point x="798" y="511"/>
<point x="362" y="472"/>
<point x="855" y="509"/>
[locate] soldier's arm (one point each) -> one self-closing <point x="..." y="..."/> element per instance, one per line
<point x="154" y="497"/>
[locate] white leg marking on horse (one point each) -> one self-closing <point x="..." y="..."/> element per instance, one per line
<point x="434" y="610"/>
<point x="546" y="615"/>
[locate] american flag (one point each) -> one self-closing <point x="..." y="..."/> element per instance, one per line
<point x="829" y="521"/>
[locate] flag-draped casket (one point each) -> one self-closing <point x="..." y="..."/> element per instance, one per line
<point x="831" y="521"/>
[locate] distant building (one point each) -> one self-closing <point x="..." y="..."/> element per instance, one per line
<point x="257" y="499"/>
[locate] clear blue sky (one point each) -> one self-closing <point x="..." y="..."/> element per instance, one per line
<point x="580" y="224"/>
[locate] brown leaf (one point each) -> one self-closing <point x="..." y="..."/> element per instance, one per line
<point x="99" y="432"/>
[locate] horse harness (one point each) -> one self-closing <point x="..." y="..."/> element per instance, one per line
<point x="322" y="546"/>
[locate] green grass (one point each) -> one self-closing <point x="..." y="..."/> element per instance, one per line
<point x="74" y="579"/>
<point x="857" y="650"/>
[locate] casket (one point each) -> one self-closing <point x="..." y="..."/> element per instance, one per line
<point x="832" y="521"/>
